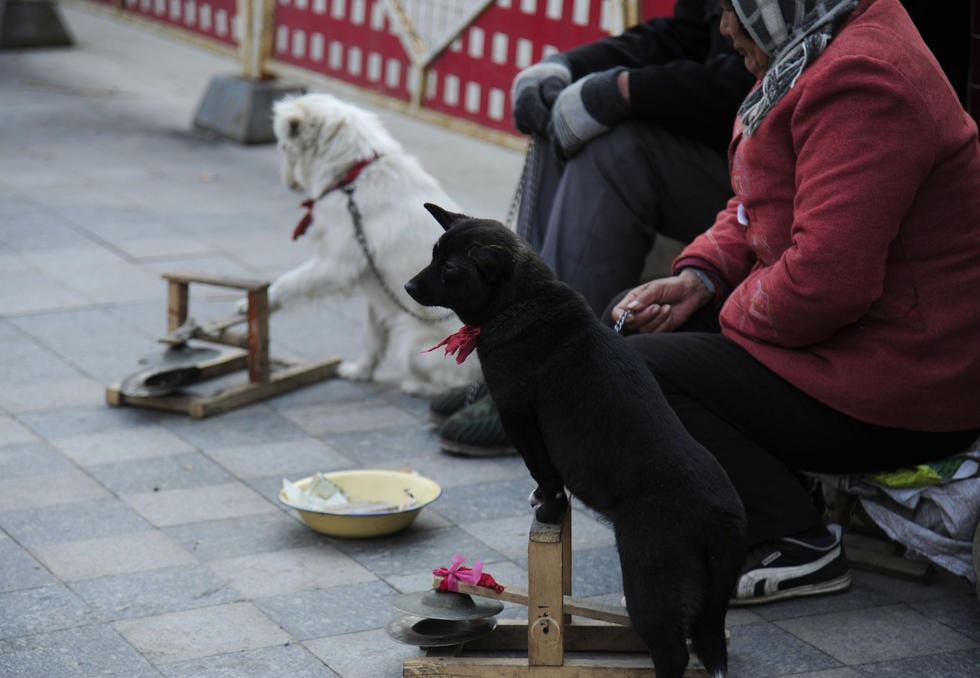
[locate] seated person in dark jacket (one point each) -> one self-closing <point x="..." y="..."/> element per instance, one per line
<point x="629" y="140"/>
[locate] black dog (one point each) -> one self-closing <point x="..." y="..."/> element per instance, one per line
<point x="585" y="413"/>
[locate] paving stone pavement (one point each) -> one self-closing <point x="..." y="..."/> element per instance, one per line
<point x="135" y="543"/>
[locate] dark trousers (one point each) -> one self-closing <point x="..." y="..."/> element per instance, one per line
<point x="595" y="218"/>
<point x="765" y="431"/>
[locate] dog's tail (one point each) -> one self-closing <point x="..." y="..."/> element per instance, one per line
<point x="707" y="631"/>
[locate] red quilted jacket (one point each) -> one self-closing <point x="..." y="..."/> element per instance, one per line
<point x="853" y="241"/>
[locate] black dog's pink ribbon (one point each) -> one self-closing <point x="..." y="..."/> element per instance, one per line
<point x="463" y="341"/>
<point x="455" y="573"/>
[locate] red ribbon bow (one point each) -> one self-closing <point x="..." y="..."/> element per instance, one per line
<point x="463" y="341"/>
<point x="455" y="573"/>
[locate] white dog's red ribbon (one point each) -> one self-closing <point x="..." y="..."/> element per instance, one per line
<point x="349" y="178"/>
<point x="455" y="573"/>
<point x="463" y="341"/>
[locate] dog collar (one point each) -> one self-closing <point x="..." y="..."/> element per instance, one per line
<point x="347" y="179"/>
<point x="463" y="341"/>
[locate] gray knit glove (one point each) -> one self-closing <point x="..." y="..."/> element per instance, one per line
<point x="584" y="110"/>
<point x="535" y="90"/>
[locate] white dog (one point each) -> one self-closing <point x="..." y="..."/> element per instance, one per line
<point x="370" y="233"/>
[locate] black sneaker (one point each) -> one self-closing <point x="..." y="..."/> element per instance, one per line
<point x="790" y="568"/>
<point x="475" y="431"/>
<point x="452" y="401"/>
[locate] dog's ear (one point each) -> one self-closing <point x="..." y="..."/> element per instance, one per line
<point x="490" y="260"/>
<point x="444" y="217"/>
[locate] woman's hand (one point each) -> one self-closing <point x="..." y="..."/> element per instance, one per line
<point x="664" y="304"/>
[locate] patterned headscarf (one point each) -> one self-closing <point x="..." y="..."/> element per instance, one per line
<point x="792" y="33"/>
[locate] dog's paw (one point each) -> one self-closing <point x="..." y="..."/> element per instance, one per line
<point x="355" y="371"/>
<point x="549" y="509"/>
<point x="241" y="306"/>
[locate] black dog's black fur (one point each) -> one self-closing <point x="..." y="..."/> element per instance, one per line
<point x="585" y="413"/>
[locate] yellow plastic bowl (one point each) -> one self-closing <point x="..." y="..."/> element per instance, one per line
<point x="370" y="485"/>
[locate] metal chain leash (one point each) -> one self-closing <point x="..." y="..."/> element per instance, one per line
<point x="526" y="190"/>
<point x="362" y="241"/>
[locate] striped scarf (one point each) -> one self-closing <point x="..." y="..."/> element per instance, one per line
<point x="792" y="33"/>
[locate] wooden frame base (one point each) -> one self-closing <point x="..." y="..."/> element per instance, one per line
<point x="549" y="631"/>
<point x="267" y="377"/>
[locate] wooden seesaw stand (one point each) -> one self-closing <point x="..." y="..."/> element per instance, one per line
<point x="250" y="352"/>
<point x="549" y="630"/>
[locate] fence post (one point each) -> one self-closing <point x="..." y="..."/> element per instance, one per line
<point x="239" y="107"/>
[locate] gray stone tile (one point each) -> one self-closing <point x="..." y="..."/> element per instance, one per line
<point x="964" y="663"/>
<point x="201" y="633"/>
<point x="857" y="597"/>
<point x="70" y="522"/>
<point x="489" y="501"/>
<point x="80" y="652"/>
<point x="246" y="426"/>
<point x="366" y="654"/>
<point x="340" y="418"/>
<point x="286" y="661"/>
<point x="510" y="535"/>
<point x="332" y="611"/>
<point x="39" y="610"/>
<point x="25" y="459"/>
<point x="233" y="537"/>
<point x="97" y="273"/>
<point x="27" y="363"/>
<point x="114" y="555"/>
<point x="961" y="614"/>
<point x="106" y="447"/>
<point x="451" y="471"/>
<point x="42" y="396"/>
<point x="939" y="585"/>
<point x="329" y="391"/>
<point x="285" y="458"/>
<point x="45" y="293"/>
<point x="371" y="448"/>
<point x="289" y="571"/>
<point x="876" y="635"/>
<point x="198" y="504"/>
<point x="507" y="536"/>
<point x="60" y="424"/>
<point x="596" y="571"/>
<point x="764" y="650"/>
<point x="48" y="489"/>
<point x="20" y="570"/>
<point x="142" y="594"/>
<point x="159" y="474"/>
<point x="416" y="550"/>
<point x="13" y="432"/>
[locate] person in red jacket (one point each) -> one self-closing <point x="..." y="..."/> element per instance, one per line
<point x="826" y="321"/>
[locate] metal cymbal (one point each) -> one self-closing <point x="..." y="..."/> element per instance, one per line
<point x="413" y="630"/>
<point x="448" y="605"/>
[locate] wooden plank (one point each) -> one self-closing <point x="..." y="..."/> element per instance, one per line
<point x="258" y="335"/>
<point x="613" y="614"/>
<point x="177" y="295"/>
<point x="580" y="636"/>
<point x="218" y="280"/>
<point x="281" y="382"/>
<point x="545" y="577"/>
<point x="507" y="667"/>
<point x="199" y="407"/>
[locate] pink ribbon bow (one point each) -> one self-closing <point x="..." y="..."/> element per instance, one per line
<point x="463" y="341"/>
<point x="455" y="573"/>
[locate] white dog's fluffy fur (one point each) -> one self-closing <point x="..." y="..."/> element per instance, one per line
<point x="321" y="138"/>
